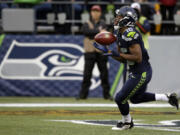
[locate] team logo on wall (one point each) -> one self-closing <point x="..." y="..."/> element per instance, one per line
<point x="45" y="61"/>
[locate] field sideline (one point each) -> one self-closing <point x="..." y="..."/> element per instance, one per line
<point x="96" y="116"/>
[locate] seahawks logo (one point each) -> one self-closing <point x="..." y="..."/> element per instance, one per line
<point x="45" y="61"/>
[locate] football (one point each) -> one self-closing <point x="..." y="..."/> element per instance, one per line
<point x="105" y="38"/>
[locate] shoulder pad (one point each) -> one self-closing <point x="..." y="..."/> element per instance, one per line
<point x="130" y="34"/>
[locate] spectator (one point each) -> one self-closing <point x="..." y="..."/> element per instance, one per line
<point x="62" y="8"/>
<point x="167" y="11"/>
<point x="177" y="12"/>
<point x="27" y="3"/>
<point x="2" y="6"/>
<point x="92" y="56"/>
<point x="177" y="9"/>
<point x="110" y="8"/>
<point x="78" y="9"/>
<point x="43" y="9"/>
<point x="142" y="25"/>
<point x="147" y="10"/>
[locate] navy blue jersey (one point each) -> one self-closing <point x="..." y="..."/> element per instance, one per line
<point x="130" y="37"/>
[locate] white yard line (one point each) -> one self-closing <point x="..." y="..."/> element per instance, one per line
<point x="79" y="105"/>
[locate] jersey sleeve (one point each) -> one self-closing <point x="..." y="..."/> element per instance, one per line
<point x="131" y="37"/>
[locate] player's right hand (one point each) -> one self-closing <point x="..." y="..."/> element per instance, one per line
<point x="100" y="47"/>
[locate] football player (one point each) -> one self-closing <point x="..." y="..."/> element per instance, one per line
<point x="131" y="50"/>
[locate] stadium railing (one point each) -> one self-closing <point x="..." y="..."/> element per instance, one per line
<point x="52" y="20"/>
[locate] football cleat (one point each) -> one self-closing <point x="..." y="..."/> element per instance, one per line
<point x="173" y="100"/>
<point x="124" y="126"/>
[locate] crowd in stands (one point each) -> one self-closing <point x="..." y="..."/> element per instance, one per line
<point x="73" y="10"/>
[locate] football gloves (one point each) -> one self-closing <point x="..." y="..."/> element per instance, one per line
<point x="107" y="52"/>
<point x="100" y="47"/>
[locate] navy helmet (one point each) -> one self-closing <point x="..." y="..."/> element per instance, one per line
<point x="128" y="17"/>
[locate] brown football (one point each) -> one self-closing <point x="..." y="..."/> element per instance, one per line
<point x="105" y="38"/>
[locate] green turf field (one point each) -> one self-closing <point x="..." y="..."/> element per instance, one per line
<point x="49" y="120"/>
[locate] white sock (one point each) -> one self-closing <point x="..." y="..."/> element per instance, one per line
<point x="126" y="118"/>
<point x="161" y="97"/>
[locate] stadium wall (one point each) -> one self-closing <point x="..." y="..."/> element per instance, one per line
<point x="164" y="56"/>
<point x="46" y="65"/>
<point x="52" y="65"/>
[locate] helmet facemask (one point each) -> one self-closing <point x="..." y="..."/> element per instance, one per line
<point x="125" y="17"/>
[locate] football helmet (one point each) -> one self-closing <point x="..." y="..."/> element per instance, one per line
<point x="125" y="17"/>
